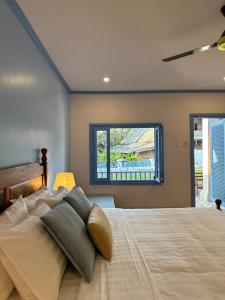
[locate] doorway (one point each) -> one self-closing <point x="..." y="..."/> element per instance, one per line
<point x="207" y="159"/>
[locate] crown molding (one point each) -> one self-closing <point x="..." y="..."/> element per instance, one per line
<point x="148" y="92"/>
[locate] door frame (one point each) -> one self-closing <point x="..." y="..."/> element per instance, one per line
<point x="192" y="117"/>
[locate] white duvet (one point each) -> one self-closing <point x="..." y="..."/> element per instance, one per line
<point x="163" y="254"/>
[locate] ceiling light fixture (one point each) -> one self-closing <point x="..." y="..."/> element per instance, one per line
<point x="106" y="79"/>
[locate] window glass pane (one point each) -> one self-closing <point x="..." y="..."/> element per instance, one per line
<point x="132" y="154"/>
<point x="101" y="137"/>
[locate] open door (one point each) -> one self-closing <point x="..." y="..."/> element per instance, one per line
<point x="217" y="160"/>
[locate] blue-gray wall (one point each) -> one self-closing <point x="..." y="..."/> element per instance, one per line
<point x="33" y="102"/>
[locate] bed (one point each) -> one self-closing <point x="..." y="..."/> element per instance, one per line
<point x="157" y="254"/>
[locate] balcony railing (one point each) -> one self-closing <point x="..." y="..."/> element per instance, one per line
<point x="127" y="175"/>
<point x="139" y="170"/>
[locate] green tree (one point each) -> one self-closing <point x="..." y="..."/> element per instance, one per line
<point x="118" y="156"/>
<point x="117" y="135"/>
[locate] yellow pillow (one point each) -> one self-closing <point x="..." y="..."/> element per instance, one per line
<point x="100" y="231"/>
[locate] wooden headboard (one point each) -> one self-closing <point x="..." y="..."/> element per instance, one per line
<point x="22" y="180"/>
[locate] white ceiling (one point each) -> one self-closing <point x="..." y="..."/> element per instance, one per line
<point x="126" y="40"/>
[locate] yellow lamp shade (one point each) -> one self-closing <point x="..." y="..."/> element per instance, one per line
<point x="64" y="179"/>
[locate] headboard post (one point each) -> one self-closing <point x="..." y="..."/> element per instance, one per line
<point x="44" y="163"/>
<point x="218" y="204"/>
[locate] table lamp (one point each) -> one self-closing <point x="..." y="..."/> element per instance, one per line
<point x="64" y="179"/>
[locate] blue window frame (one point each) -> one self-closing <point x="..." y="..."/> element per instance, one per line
<point x="126" y="153"/>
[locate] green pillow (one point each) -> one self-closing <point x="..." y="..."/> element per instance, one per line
<point x="69" y="231"/>
<point x="80" y="203"/>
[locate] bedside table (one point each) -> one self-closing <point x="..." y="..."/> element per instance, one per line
<point x="104" y="201"/>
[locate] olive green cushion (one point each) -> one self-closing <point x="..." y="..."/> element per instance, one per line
<point x="70" y="233"/>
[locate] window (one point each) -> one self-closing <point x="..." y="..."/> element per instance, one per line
<point x="126" y="154"/>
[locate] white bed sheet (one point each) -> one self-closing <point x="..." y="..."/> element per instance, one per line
<point x="163" y="254"/>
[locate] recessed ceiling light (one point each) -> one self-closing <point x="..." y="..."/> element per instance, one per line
<point x="224" y="78"/>
<point x="106" y="79"/>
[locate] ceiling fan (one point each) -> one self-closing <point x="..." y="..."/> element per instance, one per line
<point x="220" y="45"/>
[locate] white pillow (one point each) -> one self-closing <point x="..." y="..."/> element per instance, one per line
<point x="32" y="259"/>
<point x="12" y="216"/>
<point x="32" y="199"/>
<point x="62" y="190"/>
<point x="40" y="209"/>
<point x="56" y="199"/>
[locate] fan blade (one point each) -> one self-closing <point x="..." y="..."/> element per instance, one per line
<point x="197" y="50"/>
<point x="178" y="56"/>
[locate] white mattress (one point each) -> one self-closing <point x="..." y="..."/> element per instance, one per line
<point x="157" y="254"/>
